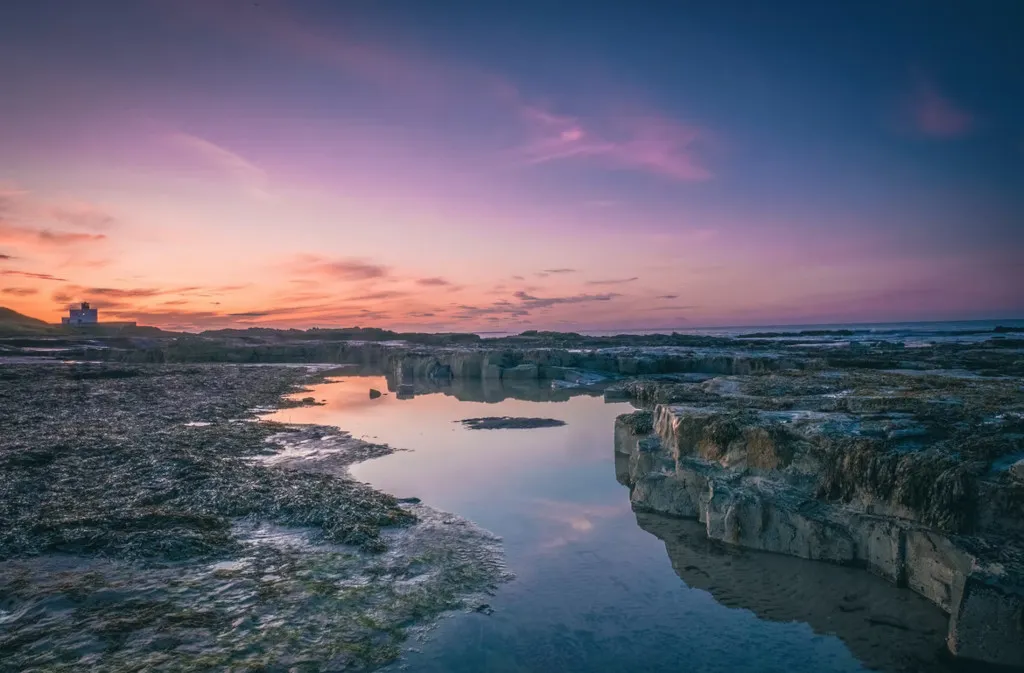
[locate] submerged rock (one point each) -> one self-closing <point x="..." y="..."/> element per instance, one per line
<point x="509" y="423"/>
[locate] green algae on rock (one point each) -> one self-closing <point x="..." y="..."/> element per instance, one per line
<point x="147" y="521"/>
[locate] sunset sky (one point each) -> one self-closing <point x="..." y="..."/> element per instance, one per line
<point x="502" y="165"/>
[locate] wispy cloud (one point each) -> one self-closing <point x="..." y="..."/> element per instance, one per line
<point x="349" y="269"/>
<point x="282" y="29"/>
<point x="29" y="274"/>
<point x="282" y="311"/>
<point x="529" y="301"/>
<point x="552" y="272"/>
<point x="377" y="296"/>
<point x="667" y="296"/>
<point x="647" y="143"/>
<point x="936" y="115"/>
<point x="651" y="143"/>
<point x="672" y="308"/>
<point x="83" y="215"/>
<point x="19" y="291"/>
<point x="525" y="304"/>
<point x="26" y="224"/>
<point x="11" y="234"/>
<point x="175" y="319"/>
<point x="121" y="293"/>
<point x="496" y="310"/>
<point x="435" y="281"/>
<point x="613" y="281"/>
<point x="250" y="314"/>
<point x="249" y="176"/>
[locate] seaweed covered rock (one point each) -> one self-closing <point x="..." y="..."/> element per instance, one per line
<point x="149" y="518"/>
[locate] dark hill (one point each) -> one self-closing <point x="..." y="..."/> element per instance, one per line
<point x="12" y="322"/>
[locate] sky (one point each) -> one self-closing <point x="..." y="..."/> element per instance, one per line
<point x="499" y="165"/>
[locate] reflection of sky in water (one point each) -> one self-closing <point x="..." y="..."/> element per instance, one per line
<point x="594" y="592"/>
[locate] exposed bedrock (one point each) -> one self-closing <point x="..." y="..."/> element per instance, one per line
<point x="869" y="476"/>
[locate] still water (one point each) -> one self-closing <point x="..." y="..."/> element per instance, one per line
<point x="598" y="587"/>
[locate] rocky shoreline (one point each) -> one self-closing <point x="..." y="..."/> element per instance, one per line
<point x="906" y="460"/>
<point x="150" y="519"/>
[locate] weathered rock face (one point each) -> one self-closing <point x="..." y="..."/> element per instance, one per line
<point x="491" y="390"/>
<point x="559" y="364"/>
<point x="908" y="476"/>
<point x="520" y="372"/>
<point x="1017" y="471"/>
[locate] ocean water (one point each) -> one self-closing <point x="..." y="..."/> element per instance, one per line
<point x="911" y="332"/>
<point x="597" y="586"/>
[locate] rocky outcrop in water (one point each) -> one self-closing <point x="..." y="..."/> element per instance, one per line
<point x="510" y="423"/>
<point x="908" y="475"/>
<point x="562" y="364"/>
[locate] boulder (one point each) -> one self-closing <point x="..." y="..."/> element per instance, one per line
<point x="1017" y="471"/>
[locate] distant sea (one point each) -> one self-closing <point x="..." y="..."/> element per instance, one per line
<point x="908" y="332"/>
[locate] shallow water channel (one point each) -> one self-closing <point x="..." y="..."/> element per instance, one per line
<point x="599" y="587"/>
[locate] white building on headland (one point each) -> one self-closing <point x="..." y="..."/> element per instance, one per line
<point x="81" y="316"/>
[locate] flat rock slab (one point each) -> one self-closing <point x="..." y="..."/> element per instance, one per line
<point x="509" y="423"/>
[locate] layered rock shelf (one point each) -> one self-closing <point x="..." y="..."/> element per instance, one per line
<point x="566" y="364"/>
<point x="911" y="476"/>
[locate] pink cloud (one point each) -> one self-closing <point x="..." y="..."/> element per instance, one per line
<point x="435" y="281"/>
<point x="347" y="269"/>
<point x="235" y="167"/>
<point x="84" y="215"/>
<point x="650" y="143"/>
<point x="27" y="236"/>
<point x="936" y="115"/>
<point x="29" y="274"/>
<point x="342" y="51"/>
<point x="647" y="143"/>
<point x="19" y="291"/>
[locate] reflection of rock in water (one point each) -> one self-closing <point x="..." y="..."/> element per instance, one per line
<point x="886" y="628"/>
<point x="490" y="390"/>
